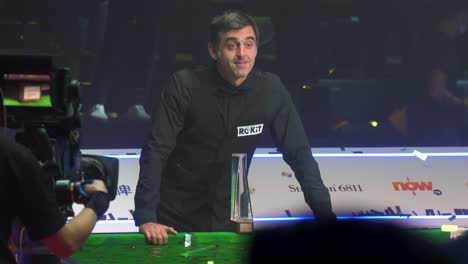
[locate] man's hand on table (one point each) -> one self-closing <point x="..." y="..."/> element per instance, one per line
<point x="156" y="233"/>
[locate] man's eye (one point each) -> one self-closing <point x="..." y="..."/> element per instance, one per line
<point x="231" y="46"/>
<point x="249" y="45"/>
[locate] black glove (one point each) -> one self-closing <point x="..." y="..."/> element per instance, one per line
<point x="99" y="202"/>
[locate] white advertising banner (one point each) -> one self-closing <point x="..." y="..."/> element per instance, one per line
<point x="428" y="186"/>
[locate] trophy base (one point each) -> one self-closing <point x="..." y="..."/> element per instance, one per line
<point x="244" y="227"/>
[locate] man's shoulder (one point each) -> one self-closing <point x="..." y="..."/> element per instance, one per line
<point x="13" y="155"/>
<point x="187" y="78"/>
<point x="268" y="80"/>
<point x="191" y="72"/>
<point x="8" y="147"/>
<point x="266" y="75"/>
<point x="183" y="73"/>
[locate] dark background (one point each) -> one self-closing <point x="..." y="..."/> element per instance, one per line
<point x="342" y="60"/>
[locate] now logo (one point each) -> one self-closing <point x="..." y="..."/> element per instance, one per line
<point x="414" y="186"/>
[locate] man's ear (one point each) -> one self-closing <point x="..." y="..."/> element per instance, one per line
<point x="212" y="51"/>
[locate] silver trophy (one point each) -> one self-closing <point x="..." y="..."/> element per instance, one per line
<point x="241" y="206"/>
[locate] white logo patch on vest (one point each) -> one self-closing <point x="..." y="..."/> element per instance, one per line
<point x="249" y="130"/>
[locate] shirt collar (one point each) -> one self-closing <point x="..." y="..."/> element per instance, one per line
<point x="227" y="87"/>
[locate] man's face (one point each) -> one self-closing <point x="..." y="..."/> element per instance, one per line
<point x="235" y="54"/>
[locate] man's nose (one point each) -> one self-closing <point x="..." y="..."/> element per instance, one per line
<point x="240" y="50"/>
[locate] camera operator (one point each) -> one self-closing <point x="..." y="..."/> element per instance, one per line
<point x="24" y="194"/>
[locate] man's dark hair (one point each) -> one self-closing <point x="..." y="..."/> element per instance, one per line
<point x="231" y="20"/>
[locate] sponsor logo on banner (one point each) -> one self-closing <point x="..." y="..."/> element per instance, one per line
<point x="332" y="188"/>
<point x="415" y="186"/>
<point x="243" y="131"/>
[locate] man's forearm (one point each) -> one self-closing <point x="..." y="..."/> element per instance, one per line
<point x="146" y="198"/>
<point x="72" y="235"/>
<point x="148" y="187"/>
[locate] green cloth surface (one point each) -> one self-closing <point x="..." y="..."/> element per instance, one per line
<point x="218" y="247"/>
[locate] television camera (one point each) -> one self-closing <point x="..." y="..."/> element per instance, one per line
<point x="41" y="104"/>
